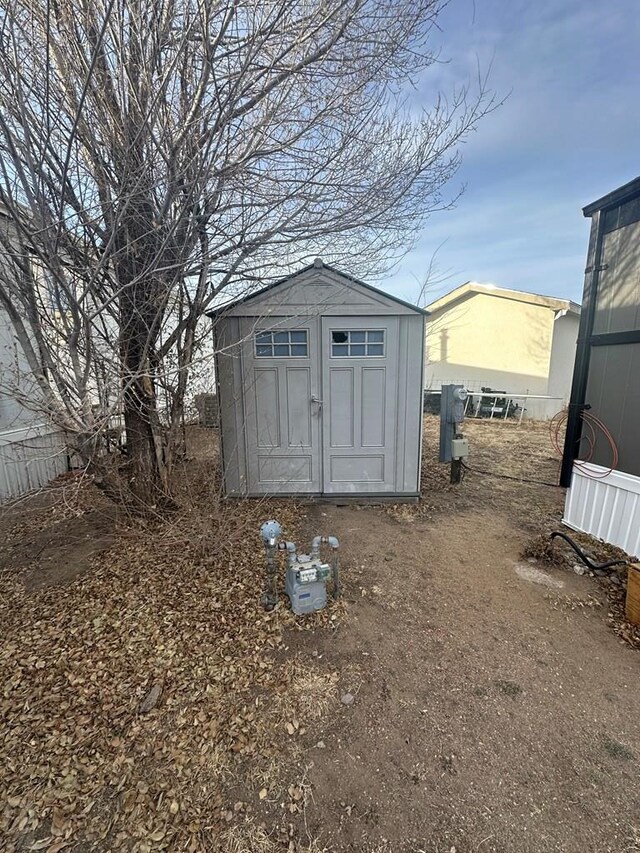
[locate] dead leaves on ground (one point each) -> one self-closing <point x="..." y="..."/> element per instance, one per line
<point x="80" y="763"/>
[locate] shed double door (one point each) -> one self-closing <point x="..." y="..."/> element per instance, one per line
<point x="320" y="405"/>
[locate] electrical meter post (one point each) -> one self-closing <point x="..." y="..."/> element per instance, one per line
<point x="454" y="447"/>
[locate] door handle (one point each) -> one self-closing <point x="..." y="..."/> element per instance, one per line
<point x="314" y="399"/>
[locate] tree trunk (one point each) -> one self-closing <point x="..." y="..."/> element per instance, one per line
<point x="147" y="468"/>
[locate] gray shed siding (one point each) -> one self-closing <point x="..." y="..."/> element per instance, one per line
<point x="318" y="300"/>
<point x="613" y="392"/>
<point x="227" y="343"/>
<point x="618" y="296"/>
<point x="613" y="385"/>
<point x="604" y="496"/>
<point x="410" y="389"/>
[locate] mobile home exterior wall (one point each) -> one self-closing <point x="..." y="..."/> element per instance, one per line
<point x="481" y="335"/>
<point x="29" y="459"/>
<point x="32" y="451"/>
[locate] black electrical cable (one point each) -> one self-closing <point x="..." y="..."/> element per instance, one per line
<point x="583" y="556"/>
<point x="508" y="477"/>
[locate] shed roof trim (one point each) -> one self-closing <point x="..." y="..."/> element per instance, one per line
<point x="317" y="264"/>
<point x="469" y="288"/>
<point x="616" y="197"/>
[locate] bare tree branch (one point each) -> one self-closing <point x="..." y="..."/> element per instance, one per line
<point x="154" y="154"/>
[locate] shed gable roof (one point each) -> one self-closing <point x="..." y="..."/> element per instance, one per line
<point x="471" y="288"/>
<point x="317" y="288"/>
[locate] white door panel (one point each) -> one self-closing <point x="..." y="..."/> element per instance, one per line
<point x="360" y="363"/>
<point x="282" y="421"/>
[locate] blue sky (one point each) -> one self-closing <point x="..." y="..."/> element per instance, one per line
<point x="568" y="132"/>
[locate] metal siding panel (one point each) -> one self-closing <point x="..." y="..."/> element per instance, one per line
<point x="618" y="299"/>
<point x="613" y="392"/>
<point x="582" y="500"/>
<point x="626" y="517"/>
<point x="609" y="509"/>
<point x="9" y="459"/>
<point x="594" y="507"/>
<point x="583" y="351"/>
<point x="29" y="462"/>
<point x="625" y="214"/>
<point x="4" y="485"/>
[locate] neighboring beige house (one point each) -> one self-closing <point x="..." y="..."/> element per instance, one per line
<point x="481" y="335"/>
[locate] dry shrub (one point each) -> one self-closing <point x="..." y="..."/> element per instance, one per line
<point x="309" y="693"/>
<point x="541" y="548"/>
<point x="247" y="837"/>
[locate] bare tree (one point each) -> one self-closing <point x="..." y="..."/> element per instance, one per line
<point x="154" y="153"/>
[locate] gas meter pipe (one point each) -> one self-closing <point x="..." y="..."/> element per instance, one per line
<point x="270" y="597"/>
<point x="270" y="533"/>
<point x="291" y="550"/>
<point x="333" y="543"/>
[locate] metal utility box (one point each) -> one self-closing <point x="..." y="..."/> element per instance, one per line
<point x="451" y="416"/>
<point x="320" y="389"/>
<point x="459" y="448"/>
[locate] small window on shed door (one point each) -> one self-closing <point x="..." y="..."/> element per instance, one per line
<point x="357" y="343"/>
<point x="282" y="344"/>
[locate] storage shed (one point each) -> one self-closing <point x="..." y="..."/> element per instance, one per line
<point x="319" y="381"/>
<point x="601" y="461"/>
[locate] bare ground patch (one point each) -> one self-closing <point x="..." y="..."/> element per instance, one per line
<point x="493" y="712"/>
<point x="490" y="713"/>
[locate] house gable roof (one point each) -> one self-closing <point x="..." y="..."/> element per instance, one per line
<point x="470" y="288"/>
<point x="320" y="288"/>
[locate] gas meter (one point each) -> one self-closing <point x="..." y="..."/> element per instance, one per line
<point x="306" y="575"/>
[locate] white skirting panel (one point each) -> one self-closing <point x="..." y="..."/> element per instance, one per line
<point x="605" y="505"/>
<point x="30" y="458"/>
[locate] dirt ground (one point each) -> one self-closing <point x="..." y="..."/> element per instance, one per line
<point x="493" y="706"/>
<point x="492" y="712"/>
